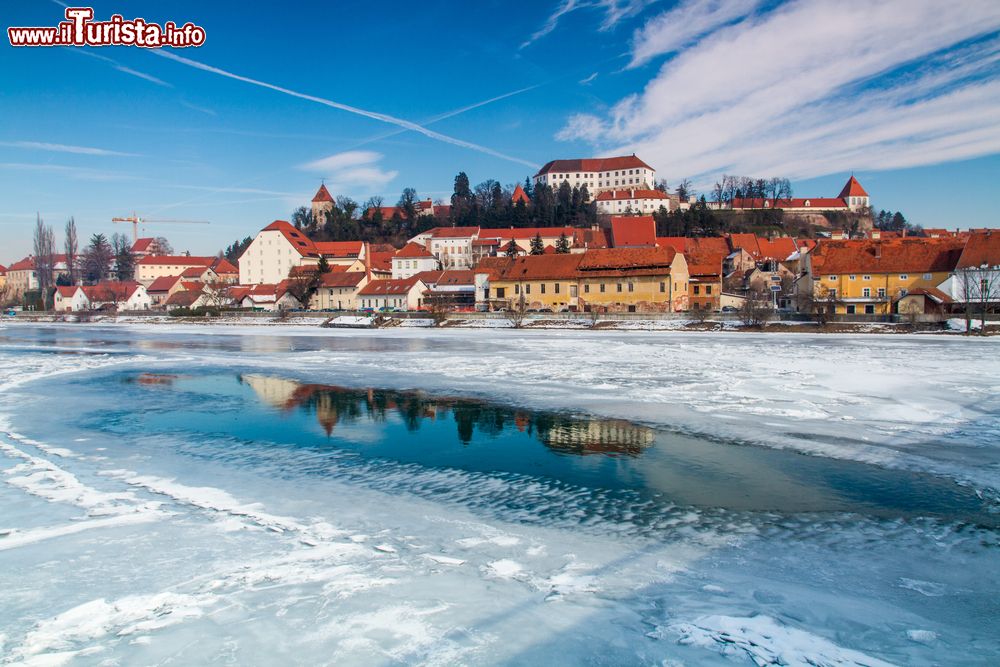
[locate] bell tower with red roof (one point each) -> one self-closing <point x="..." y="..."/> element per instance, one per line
<point x="854" y="195"/>
<point x="322" y="204"/>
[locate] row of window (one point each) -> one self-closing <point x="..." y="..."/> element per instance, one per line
<point x="608" y="174"/>
<point x="602" y="288"/>
<point x="865" y="292"/>
<point x="902" y="276"/>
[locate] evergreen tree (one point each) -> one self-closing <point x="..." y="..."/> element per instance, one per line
<point x="124" y="258"/>
<point x="537" y="247"/>
<point x="529" y="187"/>
<point x="323" y="266"/>
<point x="512" y="249"/>
<point x="96" y="259"/>
<point x="562" y="245"/>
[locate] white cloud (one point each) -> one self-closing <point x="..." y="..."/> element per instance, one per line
<point x="812" y="87"/>
<point x="614" y="12"/>
<point x="122" y="68"/>
<point x="63" y="148"/>
<point x="683" y="24"/>
<point x="589" y="79"/>
<point x="352" y="170"/>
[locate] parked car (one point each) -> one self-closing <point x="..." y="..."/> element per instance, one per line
<point x="729" y="309"/>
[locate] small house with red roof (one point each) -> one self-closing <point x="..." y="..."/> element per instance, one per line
<point x="519" y="196"/>
<point x="339" y="291"/>
<point x="70" y="299"/>
<point x="411" y="259"/>
<point x="405" y="294"/>
<point x="151" y="267"/>
<point x="117" y="296"/>
<point x="976" y="278"/>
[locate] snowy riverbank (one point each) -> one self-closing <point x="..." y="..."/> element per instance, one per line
<point x="133" y="540"/>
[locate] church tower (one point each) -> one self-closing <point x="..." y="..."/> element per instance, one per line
<point x="854" y="195"/>
<point x="322" y="204"/>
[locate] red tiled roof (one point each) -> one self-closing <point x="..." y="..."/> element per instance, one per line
<point x="343" y="279"/>
<point x="388" y="287"/>
<point x="910" y="255"/>
<point x="429" y="278"/>
<point x="456" y="277"/>
<point x="178" y="260"/>
<point x="615" y="195"/>
<point x="322" y="194"/>
<point x="454" y="232"/>
<point x="142" y="245"/>
<point x="162" y="284"/>
<point x="264" y="289"/>
<point x="67" y="291"/>
<point x="619" y="259"/>
<point x="508" y="233"/>
<point x="678" y="243"/>
<point x="223" y="266"/>
<point x="852" y="189"/>
<point x="592" y="238"/>
<point x="184" y="298"/>
<point x="982" y="247"/>
<point x="192" y="284"/>
<point x="933" y="292"/>
<point x="237" y="292"/>
<point x="339" y="248"/>
<point x="593" y="164"/>
<point x="804" y="202"/>
<point x="381" y="261"/>
<point x="778" y="249"/>
<point x="302" y="243"/>
<point x="111" y="291"/>
<point x="442" y="210"/>
<point x="413" y="250"/>
<point x="519" y="195"/>
<point x="537" y="267"/>
<point x="747" y="242"/>
<point x="193" y="272"/>
<point x="3" y="269"/>
<point x="26" y="264"/>
<point x="632" y="231"/>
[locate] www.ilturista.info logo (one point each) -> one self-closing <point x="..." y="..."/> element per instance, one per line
<point x="79" y="29"/>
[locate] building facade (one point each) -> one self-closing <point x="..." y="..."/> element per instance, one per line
<point x="598" y="174"/>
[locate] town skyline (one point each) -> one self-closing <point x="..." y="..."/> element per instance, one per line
<point x="177" y="136"/>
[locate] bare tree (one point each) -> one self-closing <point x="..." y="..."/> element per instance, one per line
<point x="980" y="287"/>
<point x="44" y="247"/>
<point x="438" y="307"/>
<point x="71" y="246"/>
<point x="756" y="309"/>
<point x="517" y="309"/>
<point x="163" y="246"/>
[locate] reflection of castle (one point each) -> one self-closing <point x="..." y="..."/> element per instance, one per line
<point x="333" y="405"/>
<point x="600" y="437"/>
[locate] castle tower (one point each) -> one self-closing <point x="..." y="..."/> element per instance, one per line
<point x="322" y="204"/>
<point x="854" y="195"/>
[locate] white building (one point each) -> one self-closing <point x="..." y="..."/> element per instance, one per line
<point x="117" y="296"/>
<point x="151" y="267"/>
<point x="339" y="291"/>
<point x="70" y="299"/>
<point x="452" y="246"/>
<point x="641" y="201"/>
<point x="598" y="174"/>
<point x="279" y="247"/>
<point x="412" y="259"/>
<point x="393" y="294"/>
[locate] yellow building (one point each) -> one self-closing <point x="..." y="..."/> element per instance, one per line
<point x="617" y="280"/>
<point x="870" y="276"/>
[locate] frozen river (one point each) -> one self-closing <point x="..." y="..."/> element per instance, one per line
<point x="201" y="495"/>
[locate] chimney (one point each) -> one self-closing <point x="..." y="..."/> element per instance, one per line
<point x="878" y="251"/>
<point x="368" y="261"/>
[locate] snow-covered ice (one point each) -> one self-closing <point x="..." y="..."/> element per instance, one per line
<point x="126" y="538"/>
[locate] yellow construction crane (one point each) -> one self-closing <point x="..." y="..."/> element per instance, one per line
<point x="135" y="220"/>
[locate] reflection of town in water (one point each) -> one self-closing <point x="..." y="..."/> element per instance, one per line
<point x="334" y="405"/>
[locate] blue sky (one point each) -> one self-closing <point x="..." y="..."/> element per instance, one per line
<point x="903" y="94"/>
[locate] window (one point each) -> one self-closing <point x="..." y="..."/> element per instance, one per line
<point x="619" y="287"/>
<point x="708" y="289"/>
<point x="586" y="288"/>
<point x="542" y="288"/>
<point x="850" y="310"/>
<point x="663" y="287"/>
<point x="501" y="292"/>
<point x="697" y="289"/>
<point x="631" y="287"/>
<point x="866" y="277"/>
<point x="602" y="288"/>
<point x="833" y="294"/>
<point x="851" y="277"/>
<point x="903" y="276"/>
<point x="927" y="276"/>
<point x="881" y="292"/>
<point x="527" y="289"/>
<point x="831" y="277"/>
<point x="517" y="289"/>
<point x="555" y="288"/>
<point x="869" y="309"/>
<point x="866" y="292"/>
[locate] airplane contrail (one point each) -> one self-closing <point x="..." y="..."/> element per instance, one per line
<point x="374" y="115"/>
